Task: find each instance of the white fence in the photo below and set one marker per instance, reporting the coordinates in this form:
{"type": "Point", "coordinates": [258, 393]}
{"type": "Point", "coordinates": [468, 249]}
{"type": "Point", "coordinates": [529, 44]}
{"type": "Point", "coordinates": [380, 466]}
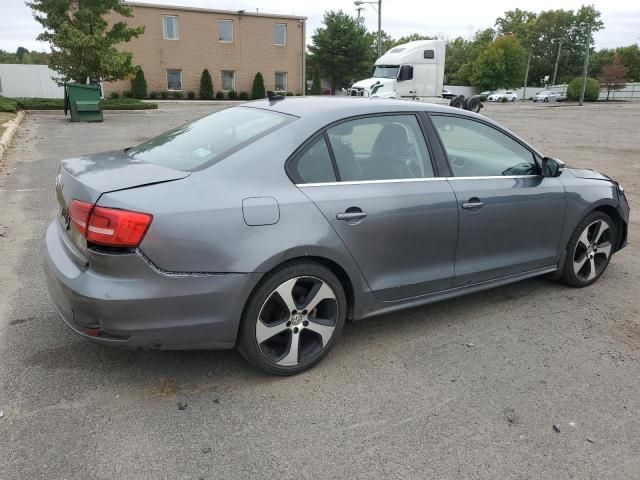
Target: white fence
{"type": "Point", "coordinates": [19, 80]}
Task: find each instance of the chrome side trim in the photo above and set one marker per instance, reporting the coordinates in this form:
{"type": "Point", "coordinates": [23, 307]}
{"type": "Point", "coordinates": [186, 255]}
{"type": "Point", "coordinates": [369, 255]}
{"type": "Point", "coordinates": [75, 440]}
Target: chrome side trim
{"type": "Point", "coordinates": [409, 180]}
{"type": "Point", "coordinates": [370, 182]}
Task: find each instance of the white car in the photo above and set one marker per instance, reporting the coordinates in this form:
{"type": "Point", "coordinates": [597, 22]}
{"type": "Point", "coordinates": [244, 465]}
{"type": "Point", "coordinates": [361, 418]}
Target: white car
{"type": "Point", "coordinates": [546, 96]}
{"type": "Point", "coordinates": [510, 95]}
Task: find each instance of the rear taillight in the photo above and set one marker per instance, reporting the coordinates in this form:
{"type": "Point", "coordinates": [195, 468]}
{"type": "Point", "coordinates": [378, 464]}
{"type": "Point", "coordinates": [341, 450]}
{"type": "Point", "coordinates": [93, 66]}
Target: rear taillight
{"type": "Point", "coordinates": [109, 226]}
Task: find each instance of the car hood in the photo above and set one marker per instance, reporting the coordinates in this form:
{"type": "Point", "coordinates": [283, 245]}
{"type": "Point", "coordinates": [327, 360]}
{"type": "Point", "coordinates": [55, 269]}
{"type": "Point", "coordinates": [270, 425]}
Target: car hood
{"type": "Point", "coordinates": [587, 173]}
{"type": "Point", "coordinates": [369, 82]}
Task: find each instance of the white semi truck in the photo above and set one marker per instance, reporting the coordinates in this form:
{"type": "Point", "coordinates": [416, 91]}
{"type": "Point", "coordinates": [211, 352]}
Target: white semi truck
{"type": "Point", "coordinates": [413, 70]}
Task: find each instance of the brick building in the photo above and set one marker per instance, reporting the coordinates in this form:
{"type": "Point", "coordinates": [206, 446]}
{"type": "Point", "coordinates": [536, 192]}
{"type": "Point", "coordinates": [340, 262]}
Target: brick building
{"type": "Point", "coordinates": [180, 42]}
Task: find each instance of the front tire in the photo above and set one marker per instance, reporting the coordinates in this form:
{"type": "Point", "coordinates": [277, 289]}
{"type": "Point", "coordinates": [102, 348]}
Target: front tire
{"type": "Point", "coordinates": [589, 250]}
{"type": "Point", "coordinates": [293, 318]}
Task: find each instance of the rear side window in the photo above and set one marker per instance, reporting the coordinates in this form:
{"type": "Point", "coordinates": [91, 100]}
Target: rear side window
{"type": "Point", "coordinates": [313, 165]}
{"type": "Point", "coordinates": [387, 147]}
{"type": "Point", "coordinates": [206, 141]}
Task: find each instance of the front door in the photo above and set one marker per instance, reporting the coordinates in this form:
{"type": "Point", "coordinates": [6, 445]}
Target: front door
{"type": "Point", "coordinates": [397, 220]}
{"type": "Point", "coordinates": [511, 217]}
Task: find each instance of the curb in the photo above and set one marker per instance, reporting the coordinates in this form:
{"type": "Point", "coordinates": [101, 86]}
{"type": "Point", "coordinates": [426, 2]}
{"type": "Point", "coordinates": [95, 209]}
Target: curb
{"type": "Point", "coordinates": [7, 136]}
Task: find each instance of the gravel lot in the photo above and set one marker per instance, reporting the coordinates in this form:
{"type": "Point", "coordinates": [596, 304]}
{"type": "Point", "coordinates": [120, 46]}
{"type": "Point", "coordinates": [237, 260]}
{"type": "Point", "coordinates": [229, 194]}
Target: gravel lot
{"type": "Point", "coordinates": [468, 388]}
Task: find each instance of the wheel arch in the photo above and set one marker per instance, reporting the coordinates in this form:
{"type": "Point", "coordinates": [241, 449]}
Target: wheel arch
{"type": "Point", "coordinates": [620, 225]}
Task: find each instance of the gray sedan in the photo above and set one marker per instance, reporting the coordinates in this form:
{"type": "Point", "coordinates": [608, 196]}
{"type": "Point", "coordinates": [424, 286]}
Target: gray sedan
{"type": "Point", "coordinates": [267, 226]}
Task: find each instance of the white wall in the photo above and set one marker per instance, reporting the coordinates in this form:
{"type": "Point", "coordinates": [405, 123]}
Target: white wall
{"type": "Point", "coordinates": [18, 80]}
{"type": "Point", "coordinates": [462, 90]}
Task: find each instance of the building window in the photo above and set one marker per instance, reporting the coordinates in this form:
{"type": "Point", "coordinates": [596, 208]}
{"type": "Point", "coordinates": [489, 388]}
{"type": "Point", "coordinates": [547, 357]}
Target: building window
{"type": "Point", "coordinates": [225, 31]}
{"type": "Point", "coordinates": [174, 79]}
{"type": "Point", "coordinates": [228, 80]}
{"type": "Point", "coordinates": [170, 27]}
{"type": "Point", "coordinates": [281, 81]}
{"type": "Point", "coordinates": [280, 34]}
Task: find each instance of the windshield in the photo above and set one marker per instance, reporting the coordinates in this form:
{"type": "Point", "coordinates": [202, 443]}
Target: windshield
{"type": "Point", "coordinates": [206, 141]}
{"type": "Point", "coordinates": [386, 71]}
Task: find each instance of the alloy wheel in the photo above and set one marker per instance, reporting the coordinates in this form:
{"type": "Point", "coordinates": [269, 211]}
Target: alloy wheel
{"type": "Point", "coordinates": [297, 321]}
{"type": "Point", "coordinates": [592, 251]}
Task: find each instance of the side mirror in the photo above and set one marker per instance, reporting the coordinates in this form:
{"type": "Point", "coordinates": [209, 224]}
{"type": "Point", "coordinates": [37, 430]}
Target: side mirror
{"type": "Point", "coordinates": [405, 73]}
{"type": "Point", "coordinates": [552, 167]}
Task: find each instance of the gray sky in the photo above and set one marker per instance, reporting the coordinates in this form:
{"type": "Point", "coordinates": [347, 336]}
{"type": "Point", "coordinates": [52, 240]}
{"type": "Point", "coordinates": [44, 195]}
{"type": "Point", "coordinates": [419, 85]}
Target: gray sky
{"type": "Point", "coordinates": [399, 17]}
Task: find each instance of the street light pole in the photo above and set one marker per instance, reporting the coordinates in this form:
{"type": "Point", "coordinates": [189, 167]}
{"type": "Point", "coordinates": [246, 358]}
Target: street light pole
{"type": "Point", "coordinates": [357, 3]}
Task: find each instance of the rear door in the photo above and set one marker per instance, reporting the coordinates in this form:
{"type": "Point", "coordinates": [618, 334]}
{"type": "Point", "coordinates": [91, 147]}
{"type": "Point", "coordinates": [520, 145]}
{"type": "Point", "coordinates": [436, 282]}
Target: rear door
{"type": "Point", "coordinates": [511, 217]}
{"type": "Point", "coordinates": [373, 179]}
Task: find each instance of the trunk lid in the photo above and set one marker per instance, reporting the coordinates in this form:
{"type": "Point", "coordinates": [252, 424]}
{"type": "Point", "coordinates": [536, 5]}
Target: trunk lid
{"type": "Point", "coordinates": [86, 178]}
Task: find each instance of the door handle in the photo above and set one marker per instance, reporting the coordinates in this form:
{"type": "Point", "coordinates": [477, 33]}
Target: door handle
{"type": "Point", "coordinates": [351, 214]}
{"type": "Point", "coordinates": [473, 204]}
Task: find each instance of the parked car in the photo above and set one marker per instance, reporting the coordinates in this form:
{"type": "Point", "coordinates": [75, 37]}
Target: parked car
{"type": "Point", "coordinates": [509, 95]}
{"type": "Point", "coordinates": [546, 96]}
{"type": "Point", "coordinates": [267, 226]}
{"type": "Point", "coordinates": [446, 93]}
{"type": "Point", "coordinates": [486, 93]}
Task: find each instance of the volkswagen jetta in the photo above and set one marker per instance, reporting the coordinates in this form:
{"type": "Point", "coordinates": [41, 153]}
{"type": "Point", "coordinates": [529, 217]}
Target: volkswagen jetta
{"type": "Point", "coordinates": [268, 225]}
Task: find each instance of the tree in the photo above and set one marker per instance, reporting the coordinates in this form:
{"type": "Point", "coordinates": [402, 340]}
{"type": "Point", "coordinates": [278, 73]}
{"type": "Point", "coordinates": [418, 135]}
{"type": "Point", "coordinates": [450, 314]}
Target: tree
{"type": "Point", "coordinates": [388, 42]}
{"type": "Point", "coordinates": [342, 49]}
{"type": "Point", "coordinates": [613, 77]}
{"type": "Point", "coordinates": [316, 86]}
{"type": "Point", "coordinates": [83, 44]}
{"type": "Point", "coordinates": [22, 55]}
{"type": "Point", "coordinates": [500, 65]}
{"type": "Point", "coordinates": [206, 85]}
{"type": "Point", "coordinates": [257, 89]}
{"type": "Point", "coordinates": [139, 85]}
{"type": "Point", "coordinates": [461, 53]}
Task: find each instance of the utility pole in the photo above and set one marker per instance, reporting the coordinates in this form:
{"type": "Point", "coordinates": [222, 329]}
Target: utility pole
{"type": "Point", "coordinates": [379, 28]}
{"type": "Point", "coordinates": [526, 77]}
{"type": "Point", "coordinates": [586, 65]}
{"type": "Point", "coordinates": [555, 70]}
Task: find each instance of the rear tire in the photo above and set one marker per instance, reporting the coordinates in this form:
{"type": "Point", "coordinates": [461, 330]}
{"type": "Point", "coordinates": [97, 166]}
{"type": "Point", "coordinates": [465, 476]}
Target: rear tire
{"type": "Point", "coordinates": [293, 318]}
{"type": "Point", "coordinates": [589, 250]}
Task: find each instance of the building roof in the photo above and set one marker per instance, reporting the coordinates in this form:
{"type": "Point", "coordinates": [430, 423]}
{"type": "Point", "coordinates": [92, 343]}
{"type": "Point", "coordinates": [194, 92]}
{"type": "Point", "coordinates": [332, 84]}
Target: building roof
{"type": "Point", "coordinates": [209, 10]}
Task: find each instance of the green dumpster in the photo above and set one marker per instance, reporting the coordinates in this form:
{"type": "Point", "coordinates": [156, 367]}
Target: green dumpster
{"type": "Point", "coordinates": [83, 101]}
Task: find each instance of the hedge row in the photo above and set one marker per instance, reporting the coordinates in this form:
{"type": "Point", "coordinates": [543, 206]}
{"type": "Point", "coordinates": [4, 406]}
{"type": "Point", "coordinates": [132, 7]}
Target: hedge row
{"type": "Point", "coordinates": [8, 105]}
{"type": "Point", "coordinates": [106, 104]}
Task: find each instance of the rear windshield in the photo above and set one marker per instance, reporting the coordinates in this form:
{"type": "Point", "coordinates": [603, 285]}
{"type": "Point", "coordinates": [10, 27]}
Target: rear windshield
{"type": "Point", "coordinates": [206, 141]}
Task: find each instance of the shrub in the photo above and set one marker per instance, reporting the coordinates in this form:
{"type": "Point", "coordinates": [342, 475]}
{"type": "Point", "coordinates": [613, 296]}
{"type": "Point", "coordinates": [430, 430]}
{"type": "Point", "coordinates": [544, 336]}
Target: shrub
{"type": "Point", "coordinates": [243, 96]}
{"type": "Point", "coordinates": [483, 98]}
{"type": "Point", "coordinates": [206, 85]}
{"type": "Point", "coordinates": [114, 95]}
{"type": "Point", "coordinates": [220, 95]}
{"type": "Point", "coordinates": [191, 95]}
{"type": "Point", "coordinates": [153, 95]}
{"type": "Point", "coordinates": [177, 95]}
{"type": "Point", "coordinates": [139, 85]}
{"type": "Point", "coordinates": [8, 105]}
{"type": "Point", "coordinates": [591, 91]}
{"type": "Point", "coordinates": [257, 89]}
{"type": "Point", "coordinates": [289, 94]}
{"type": "Point", "coordinates": [126, 94]}
{"type": "Point", "coordinates": [107, 104]}
{"type": "Point", "coordinates": [164, 95]}
{"type": "Point", "coordinates": [232, 95]}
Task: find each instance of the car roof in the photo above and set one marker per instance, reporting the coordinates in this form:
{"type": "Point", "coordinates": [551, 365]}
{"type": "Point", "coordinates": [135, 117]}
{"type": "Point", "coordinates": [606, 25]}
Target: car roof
{"type": "Point", "coordinates": [338, 107]}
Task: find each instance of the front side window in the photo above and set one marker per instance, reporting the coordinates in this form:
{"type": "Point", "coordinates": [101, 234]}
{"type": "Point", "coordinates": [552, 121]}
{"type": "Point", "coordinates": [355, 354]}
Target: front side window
{"type": "Point", "coordinates": [281, 81]}
{"type": "Point", "coordinates": [380, 148]}
{"type": "Point", "coordinates": [174, 79]}
{"type": "Point", "coordinates": [280, 34]}
{"type": "Point", "coordinates": [210, 139]}
{"type": "Point", "coordinates": [170, 27]}
{"type": "Point", "coordinates": [228, 80]}
{"type": "Point", "coordinates": [225, 31]}
{"type": "Point", "coordinates": [313, 165]}
{"type": "Point", "coordinates": [475, 149]}
{"type": "Point", "coordinates": [386, 71]}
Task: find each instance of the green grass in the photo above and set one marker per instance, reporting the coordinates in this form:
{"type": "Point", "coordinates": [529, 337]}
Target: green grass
{"type": "Point", "coordinates": [8, 105]}
{"type": "Point", "coordinates": [58, 104]}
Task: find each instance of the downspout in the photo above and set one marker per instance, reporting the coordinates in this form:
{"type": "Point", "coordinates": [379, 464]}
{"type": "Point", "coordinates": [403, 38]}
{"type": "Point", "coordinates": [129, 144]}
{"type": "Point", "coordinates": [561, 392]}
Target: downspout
{"type": "Point", "coordinates": [303, 67]}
